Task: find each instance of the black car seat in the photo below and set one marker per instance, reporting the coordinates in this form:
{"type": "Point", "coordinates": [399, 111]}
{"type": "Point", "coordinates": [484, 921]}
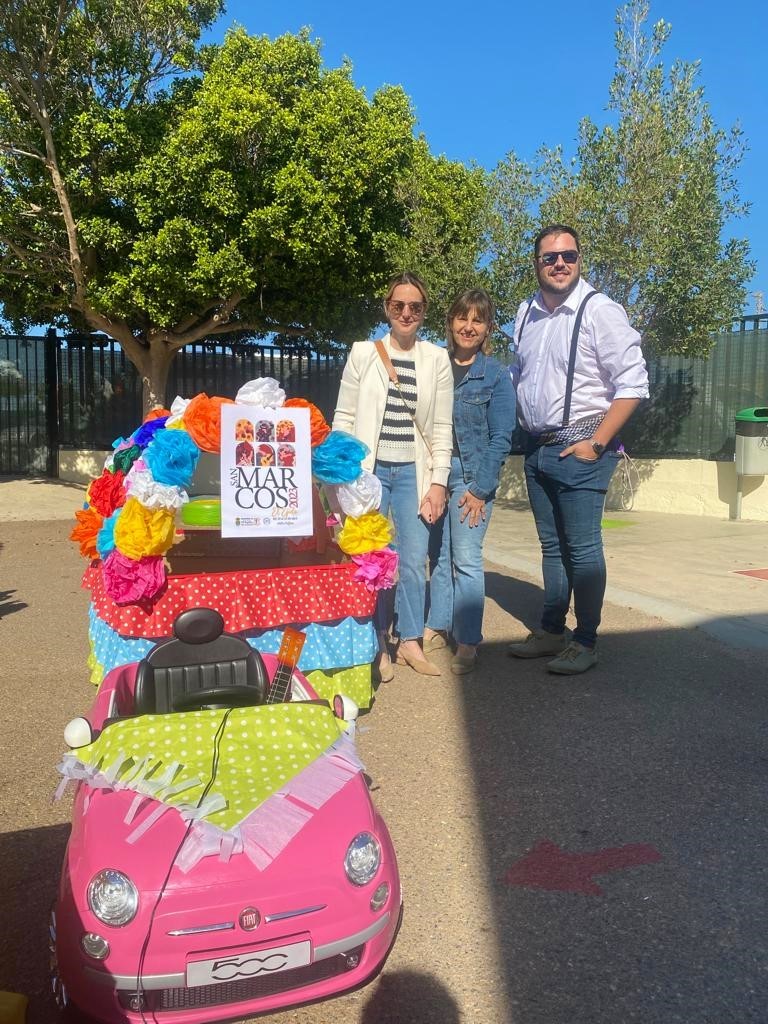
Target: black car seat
{"type": "Point", "coordinates": [201, 667]}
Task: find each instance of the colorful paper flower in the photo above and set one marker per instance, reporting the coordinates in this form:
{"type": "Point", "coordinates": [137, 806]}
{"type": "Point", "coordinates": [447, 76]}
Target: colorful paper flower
{"type": "Point", "coordinates": [172, 457]}
{"type": "Point", "coordinates": [127, 580]}
{"type": "Point", "coordinates": [178, 406]}
{"type": "Point", "coordinates": [318, 428]}
{"type": "Point", "coordinates": [263, 391]}
{"type": "Point", "coordinates": [376, 569]}
{"type": "Point", "coordinates": [107, 492]}
{"type": "Point", "coordinates": [359, 496]}
{"type": "Point", "coordinates": [337, 460]}
{"type": "Point", "coordinates": [148, 429]}
{"type": "Point", "coordinates": [89, 522]}
{"type": "Point", "coordinates": [143, 531]}
{"type": "Point", "coordinates": [140, 484]}
{"type": "Point", "coordinates": [124, 458]}
{"type": "Point", "coordinates": [202, 418]}
{"type": "Point", "coordinates": [105, 540]}
{"type": "Point", "coordinates": [366, 533]}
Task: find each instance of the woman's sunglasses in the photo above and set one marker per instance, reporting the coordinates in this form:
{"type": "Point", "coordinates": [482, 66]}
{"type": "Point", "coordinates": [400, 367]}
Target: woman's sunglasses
{"type": "Point", "coordinates": [396, 307]}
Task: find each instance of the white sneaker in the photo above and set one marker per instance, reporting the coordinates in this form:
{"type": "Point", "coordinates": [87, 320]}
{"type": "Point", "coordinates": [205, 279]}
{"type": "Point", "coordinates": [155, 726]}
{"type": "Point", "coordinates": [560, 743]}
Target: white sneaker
{"type": "Point", "coordinates": [539, 644]}
{"type": "Point", "coordinates": [575, 659]}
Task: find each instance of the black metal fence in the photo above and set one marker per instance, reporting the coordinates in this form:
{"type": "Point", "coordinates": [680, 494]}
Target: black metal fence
{"type": "Point", "coordinates": [82, 392]}
{"type": "Point", "coordinates": [100, 389]}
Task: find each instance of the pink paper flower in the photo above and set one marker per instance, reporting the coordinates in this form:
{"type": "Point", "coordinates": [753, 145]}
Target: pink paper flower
{"type": "Point", "coordinates": [128, 581]}
{"type": "Point", "coordinates": [376, 569]}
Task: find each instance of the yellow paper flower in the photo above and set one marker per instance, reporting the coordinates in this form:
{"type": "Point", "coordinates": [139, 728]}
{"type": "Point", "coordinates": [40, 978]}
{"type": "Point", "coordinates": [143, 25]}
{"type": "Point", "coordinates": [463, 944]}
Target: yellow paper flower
{"type": "Point", "coordinates": [364, 533]}
{"type": "Point", "coordinates": [141, 531]}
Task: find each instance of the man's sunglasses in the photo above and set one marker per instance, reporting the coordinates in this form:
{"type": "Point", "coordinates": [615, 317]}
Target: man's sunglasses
{"type": "Point", "coordinates": [549, 259]}
{"type": "Point", "coordinates": [396, 307]}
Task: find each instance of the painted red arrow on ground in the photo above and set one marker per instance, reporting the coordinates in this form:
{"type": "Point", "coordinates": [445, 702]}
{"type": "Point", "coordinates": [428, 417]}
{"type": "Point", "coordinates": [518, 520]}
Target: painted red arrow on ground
{"type": "Point", "coordinates": [547, 866]}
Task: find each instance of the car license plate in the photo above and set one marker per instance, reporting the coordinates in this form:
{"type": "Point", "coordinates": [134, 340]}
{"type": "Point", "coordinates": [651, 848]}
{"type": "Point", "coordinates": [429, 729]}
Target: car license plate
{"type": "Point", "coordinates": [253, 964]}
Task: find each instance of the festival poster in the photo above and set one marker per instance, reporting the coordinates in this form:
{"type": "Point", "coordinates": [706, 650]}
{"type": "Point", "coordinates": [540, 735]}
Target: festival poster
{"type": "Point", "coordinates": [266, 472]}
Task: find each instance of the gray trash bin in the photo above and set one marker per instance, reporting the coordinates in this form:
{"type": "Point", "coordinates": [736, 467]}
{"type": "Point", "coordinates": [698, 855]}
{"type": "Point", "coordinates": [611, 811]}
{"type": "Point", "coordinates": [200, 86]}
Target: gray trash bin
{"type": "Point", "coordinates": [752, 442]}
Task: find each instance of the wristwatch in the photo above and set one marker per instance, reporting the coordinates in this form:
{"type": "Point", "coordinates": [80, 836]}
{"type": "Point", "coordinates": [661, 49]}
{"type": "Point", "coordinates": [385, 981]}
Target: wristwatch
{"type": "Point", "coordinates": [598, 448]}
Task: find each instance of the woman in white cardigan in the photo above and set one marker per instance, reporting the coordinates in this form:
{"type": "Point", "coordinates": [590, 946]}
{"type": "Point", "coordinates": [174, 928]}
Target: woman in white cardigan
{"type": "Point", "coordinates": [408, 430]}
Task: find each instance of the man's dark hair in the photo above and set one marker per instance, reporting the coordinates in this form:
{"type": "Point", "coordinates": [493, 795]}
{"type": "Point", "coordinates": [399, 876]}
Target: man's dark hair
{"type": "Point", "coordinates": [555, 229]}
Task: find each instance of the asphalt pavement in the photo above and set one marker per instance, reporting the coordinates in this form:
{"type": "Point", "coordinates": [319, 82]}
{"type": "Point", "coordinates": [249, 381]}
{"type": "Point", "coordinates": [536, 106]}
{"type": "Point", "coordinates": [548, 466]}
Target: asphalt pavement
{"type": "Point", "coordinates": [573, 851]}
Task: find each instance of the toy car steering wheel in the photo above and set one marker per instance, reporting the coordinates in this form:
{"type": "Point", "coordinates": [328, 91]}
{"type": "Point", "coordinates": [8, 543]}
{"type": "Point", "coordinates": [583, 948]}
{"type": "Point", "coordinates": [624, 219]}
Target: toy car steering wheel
{"type": "Point", "coordinates": [219, 697]}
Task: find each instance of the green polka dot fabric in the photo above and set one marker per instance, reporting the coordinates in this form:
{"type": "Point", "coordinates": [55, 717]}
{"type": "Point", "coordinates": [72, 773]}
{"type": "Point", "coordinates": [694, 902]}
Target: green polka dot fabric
{"type": "Point", "coordinates": [260, 750]}
{"type": "Point", "coordinates": [353, 682]}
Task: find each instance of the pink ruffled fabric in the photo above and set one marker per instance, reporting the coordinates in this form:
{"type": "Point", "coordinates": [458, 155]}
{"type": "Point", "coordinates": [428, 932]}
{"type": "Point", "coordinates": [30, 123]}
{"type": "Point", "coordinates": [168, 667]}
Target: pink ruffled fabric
{"type": "Point", "coordinates": [127, 580]}
{"type": "Point", "coordinates": [376, 569]}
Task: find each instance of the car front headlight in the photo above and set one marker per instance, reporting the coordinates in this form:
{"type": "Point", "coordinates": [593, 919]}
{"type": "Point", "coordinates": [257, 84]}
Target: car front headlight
{"type": "Point", "coordinates": [362, 859]}
{"type": "Point", "coordinates": [113, 897]}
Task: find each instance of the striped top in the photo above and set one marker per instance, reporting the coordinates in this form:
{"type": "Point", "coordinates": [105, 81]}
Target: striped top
{"type": "Point", "coordinates": [396, 440]}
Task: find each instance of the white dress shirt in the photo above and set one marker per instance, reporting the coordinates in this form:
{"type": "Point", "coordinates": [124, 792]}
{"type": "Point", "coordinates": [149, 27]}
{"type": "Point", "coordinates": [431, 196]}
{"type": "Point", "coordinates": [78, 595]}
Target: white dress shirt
{"type": "Point", "coordinates": [609, 360]}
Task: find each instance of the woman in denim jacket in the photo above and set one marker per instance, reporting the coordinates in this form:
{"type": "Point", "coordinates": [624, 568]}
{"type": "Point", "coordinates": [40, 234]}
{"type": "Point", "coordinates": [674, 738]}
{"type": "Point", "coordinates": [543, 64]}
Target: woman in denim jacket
{"type": "Point", "coordinates": [483, 422]}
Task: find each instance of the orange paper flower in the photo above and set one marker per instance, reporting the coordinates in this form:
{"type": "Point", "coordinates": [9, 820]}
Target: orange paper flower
{"type": "Point", "coordinates": [202, 419]}
{"type": "Point", "coordinates": [141, 531]}
{"type": "Point", "coordinates": [318, 428]}
{"type": "Point", "coordinates": [89, 522]}
{"type": "Point", "coordinates": [156, 414]}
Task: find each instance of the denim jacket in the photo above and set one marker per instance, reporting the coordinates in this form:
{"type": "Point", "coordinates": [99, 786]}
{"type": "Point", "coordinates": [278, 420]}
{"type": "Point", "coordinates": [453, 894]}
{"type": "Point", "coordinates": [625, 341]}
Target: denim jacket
{"type": "Point", "coordinates": [484, 419]}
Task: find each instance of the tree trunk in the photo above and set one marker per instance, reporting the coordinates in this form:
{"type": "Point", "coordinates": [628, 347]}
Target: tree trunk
{"type": "Point", "coordinates": [154, 364]}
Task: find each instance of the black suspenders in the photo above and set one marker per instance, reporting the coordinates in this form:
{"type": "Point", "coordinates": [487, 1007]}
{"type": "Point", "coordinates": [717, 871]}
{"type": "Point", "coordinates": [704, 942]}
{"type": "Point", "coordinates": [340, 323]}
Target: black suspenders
{"type": "Point", "coordinates": [571, 354]}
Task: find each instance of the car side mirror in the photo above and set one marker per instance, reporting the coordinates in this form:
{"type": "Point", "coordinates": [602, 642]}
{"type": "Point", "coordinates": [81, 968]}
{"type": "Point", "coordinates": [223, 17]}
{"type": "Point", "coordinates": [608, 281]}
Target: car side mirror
{"type": "Point", "coordinates": [345, 708]}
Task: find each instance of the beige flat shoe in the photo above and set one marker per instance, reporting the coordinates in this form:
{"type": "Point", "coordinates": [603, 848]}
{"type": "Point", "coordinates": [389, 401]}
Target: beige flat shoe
{"type": "Point", "coordinates": [434, 642]}
{"type": "Point", "coordinates": [383, 673]}
{"type": "Point", "coordinates": [463, 666]}
{"type": "Point", "coordinates": [420, 665]}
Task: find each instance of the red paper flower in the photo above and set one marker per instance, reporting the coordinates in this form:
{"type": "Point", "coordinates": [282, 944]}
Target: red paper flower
{"type": "Point", "coordinates": [107, 492]}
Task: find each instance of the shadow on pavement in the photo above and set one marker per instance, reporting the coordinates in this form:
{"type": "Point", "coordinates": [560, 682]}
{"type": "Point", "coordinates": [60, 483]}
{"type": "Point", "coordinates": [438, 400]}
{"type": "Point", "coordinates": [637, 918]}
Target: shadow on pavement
{"type": "Point", "coordinates": [661, 748]}
{"type": "Point", "coordinates": [7, 606]}
{"type": "Point", "coordinates": [410, 996]}
{"type": "Point", "coordinates": [30, 865]}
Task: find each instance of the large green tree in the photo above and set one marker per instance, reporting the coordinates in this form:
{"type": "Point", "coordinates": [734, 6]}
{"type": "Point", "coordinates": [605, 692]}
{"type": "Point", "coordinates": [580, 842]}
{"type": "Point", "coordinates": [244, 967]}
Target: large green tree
{"type": "Point", "coordinates": [162, 193]}
{"type": "Point", "coordinates": [653, 194]}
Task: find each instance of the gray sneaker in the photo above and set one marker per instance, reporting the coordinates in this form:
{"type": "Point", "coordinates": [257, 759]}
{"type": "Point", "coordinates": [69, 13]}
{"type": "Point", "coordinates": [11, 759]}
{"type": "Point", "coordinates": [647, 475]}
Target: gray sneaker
{"type": "Point", "coordinates": [539, 644]}
{"type": "Point", "coordinates": [575, 659]}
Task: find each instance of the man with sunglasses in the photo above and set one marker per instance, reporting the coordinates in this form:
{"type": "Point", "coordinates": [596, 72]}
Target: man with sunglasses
{"type": "Point", "coordinates": [581, 375]}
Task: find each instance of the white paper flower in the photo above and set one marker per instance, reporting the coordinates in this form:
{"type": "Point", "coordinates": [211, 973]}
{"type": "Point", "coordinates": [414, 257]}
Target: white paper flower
{"type": "Point", "coordinates": [264, 392]}
{"type": "Point", "coordinates": [360, 496]}
{"type": "Point", "coordinates": [178, 406]}
{"type": "Point", "coordinates": [140, 484]}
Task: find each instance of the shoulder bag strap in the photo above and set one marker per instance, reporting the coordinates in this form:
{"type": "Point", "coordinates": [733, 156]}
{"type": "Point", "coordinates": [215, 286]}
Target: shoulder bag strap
{"type": "Point", "coordinates": [392, 374]}
{"type": "Point", "coordinates": [572, 358]}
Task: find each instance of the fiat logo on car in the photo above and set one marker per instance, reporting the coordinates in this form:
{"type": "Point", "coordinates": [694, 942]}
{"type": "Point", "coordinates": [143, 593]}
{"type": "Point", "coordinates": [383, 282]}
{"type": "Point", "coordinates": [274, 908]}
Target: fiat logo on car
{"type": "Point", "coordinates": [249, 919]}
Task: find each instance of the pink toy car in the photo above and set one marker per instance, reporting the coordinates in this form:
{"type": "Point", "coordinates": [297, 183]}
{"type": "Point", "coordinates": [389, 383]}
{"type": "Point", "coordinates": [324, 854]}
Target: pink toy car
{"type": "Point", "coordinates": [151, 926]}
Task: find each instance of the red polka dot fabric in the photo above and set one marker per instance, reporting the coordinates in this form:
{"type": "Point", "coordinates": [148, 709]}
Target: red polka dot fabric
{"type": "Point", "coordinates": [256, 599]}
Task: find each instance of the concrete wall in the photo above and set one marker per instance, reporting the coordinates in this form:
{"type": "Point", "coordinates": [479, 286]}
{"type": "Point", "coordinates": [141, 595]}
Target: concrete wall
{"type": "Point", "coordinates": [695, 487]}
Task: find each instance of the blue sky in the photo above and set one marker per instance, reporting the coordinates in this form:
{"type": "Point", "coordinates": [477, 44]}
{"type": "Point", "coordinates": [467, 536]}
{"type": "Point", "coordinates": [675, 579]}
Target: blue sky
{"type": "Point", "coordinates": [492, 76]}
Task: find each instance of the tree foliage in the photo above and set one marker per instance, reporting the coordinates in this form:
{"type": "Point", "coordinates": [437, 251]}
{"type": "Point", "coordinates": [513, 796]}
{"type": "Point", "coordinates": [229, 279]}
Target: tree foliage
{"type": "Point", "coordinates": [162, 193]}
{"type": "Point", "coordinates": [651, 194]}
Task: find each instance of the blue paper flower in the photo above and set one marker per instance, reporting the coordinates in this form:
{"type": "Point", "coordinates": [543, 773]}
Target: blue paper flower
{"type": "Point", "coordinates": [337, 460]}
{"type": "Point", "coordinates": [147, 431]}
{"type": "Point", "coordinates": [105, 538]}
{"type": "Point", "coordinates": [172, 456]}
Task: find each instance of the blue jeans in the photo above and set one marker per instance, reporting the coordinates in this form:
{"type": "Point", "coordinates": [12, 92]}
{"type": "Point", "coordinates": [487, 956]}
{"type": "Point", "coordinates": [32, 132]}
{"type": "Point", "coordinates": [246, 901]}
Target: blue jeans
{"type": "Point", "coordinates": [457, 579]}
{"type": "Point", "coordinates": [567, 497]}
{"type": "Point", "coordinates": [400, 498]}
